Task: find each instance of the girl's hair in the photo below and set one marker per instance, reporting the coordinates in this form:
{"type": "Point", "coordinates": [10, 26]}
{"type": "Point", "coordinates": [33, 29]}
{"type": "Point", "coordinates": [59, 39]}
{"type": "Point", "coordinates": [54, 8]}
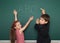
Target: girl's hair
{"type": "Point", "coordinates": [46, 17]}
{"type": "Point", "coordinates": [12, 32]}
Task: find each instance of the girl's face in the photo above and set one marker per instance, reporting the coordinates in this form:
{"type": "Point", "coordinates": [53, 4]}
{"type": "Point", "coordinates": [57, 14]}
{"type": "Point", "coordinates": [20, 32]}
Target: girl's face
{"type": "Point", "coordinates": [42, 21]}
{"type": "Point", "coordinates": [18, 25]}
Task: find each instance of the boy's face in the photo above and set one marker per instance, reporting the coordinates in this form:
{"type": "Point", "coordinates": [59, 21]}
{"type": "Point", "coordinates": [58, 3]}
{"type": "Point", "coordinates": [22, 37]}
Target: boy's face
{"type": "Point", "coordinates": [42, 21]}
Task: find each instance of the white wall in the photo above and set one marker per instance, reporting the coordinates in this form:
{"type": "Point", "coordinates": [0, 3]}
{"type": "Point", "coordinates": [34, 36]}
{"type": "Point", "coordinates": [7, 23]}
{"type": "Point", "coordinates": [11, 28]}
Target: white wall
{"type": "Point", "coordinates": [29, 41]}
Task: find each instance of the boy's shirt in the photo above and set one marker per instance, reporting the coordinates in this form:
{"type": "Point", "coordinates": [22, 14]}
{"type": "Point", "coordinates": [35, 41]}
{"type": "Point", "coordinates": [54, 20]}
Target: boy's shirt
{"type": "Point", "coordinates": [43, 30]}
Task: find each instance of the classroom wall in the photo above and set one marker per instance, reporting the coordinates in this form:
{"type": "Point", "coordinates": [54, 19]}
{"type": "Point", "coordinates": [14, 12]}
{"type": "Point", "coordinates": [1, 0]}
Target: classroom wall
{"type": "Point", "coordinates": [27, 8]}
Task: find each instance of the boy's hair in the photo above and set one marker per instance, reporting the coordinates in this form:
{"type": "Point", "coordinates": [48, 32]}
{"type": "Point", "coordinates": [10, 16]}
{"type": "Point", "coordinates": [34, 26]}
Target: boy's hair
{"type": "Point", "coordinates": [46, 17]}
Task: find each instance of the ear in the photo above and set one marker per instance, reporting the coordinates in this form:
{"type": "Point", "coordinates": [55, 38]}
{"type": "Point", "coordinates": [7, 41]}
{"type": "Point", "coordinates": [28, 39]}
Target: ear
{"type": "Point", "coordinates": [46, 22]}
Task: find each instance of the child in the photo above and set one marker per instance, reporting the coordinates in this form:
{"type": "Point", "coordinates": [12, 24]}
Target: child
{"type": "Point", "coordinates": [42, 26]}
{"type": "Point", "coordinates": [17, 30]}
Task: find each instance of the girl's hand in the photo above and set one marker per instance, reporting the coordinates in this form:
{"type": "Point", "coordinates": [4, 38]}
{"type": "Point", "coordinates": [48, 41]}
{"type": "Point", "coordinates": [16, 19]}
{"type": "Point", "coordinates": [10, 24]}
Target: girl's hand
{"type": "Point", "coordinates": [31, 18]}
{"type": "Point", "coordinates": [37, 21]}
{"type": "Point", "coordinates": [15, 12]}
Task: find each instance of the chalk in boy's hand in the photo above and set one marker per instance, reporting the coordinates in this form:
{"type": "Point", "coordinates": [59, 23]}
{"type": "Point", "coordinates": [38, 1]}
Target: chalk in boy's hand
{"type": "Point", "coordinates": [43, 10]}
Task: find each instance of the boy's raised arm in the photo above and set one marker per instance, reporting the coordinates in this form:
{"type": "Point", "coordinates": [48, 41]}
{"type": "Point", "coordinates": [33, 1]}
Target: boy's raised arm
{"type": "Point", "coordinates": [43, 11]}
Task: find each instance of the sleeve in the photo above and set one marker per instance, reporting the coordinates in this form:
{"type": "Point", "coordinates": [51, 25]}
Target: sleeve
{"type": "Point", "coordinates": [36, 26]}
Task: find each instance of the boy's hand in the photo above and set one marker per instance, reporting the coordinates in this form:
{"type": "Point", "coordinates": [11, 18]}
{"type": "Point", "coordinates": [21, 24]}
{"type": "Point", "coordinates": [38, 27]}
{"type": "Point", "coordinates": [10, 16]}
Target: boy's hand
{"type": "Point", "coordinates": [37, 21]}
{"type": "Point", "coordinates": [15, 12]}
{"type": "Point", "coordinates": [31, 18]}
{"type": "Point", "coordinates": [43, 10]}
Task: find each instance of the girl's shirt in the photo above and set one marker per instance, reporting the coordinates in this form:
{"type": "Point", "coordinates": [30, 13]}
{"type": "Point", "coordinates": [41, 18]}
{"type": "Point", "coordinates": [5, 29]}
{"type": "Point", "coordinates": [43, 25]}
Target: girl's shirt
{"type": "Point", "coordinates": [19, 36]}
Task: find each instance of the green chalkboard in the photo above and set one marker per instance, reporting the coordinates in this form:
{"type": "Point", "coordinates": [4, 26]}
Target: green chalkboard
{"type": "Point", "coordinates": [27, 8]}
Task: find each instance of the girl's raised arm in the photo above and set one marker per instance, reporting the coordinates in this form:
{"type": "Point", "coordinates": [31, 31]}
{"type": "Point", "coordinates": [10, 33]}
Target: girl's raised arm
{"type": "Point", "coordinates": [26, 25]}
{"type": "Point", "coordinates": [15, 15]}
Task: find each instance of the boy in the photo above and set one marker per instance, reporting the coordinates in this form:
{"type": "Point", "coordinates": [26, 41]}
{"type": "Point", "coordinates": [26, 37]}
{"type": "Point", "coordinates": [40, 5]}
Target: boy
{"type": "Point", "coordinates": [42, 26]}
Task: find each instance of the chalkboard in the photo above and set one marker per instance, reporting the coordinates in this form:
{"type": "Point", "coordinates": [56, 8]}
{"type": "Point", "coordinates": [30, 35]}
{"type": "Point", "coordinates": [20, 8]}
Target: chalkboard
{"type": "Point", "coordinates": [27, 8]}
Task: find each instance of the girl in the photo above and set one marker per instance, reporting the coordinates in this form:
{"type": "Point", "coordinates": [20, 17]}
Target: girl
{"type": "Point", "coordinates": [42, 26]}
{"type": "Point", "coordinates": [17, 30]}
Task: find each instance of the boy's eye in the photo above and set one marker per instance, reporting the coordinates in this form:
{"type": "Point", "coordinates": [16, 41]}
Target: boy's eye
{"type": "Point", "coordinates": [41, 20]}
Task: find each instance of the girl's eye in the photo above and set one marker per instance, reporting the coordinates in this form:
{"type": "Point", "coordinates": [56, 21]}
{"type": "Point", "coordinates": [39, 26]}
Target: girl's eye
{"type": "Point", "coordinates": [18, 24]}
